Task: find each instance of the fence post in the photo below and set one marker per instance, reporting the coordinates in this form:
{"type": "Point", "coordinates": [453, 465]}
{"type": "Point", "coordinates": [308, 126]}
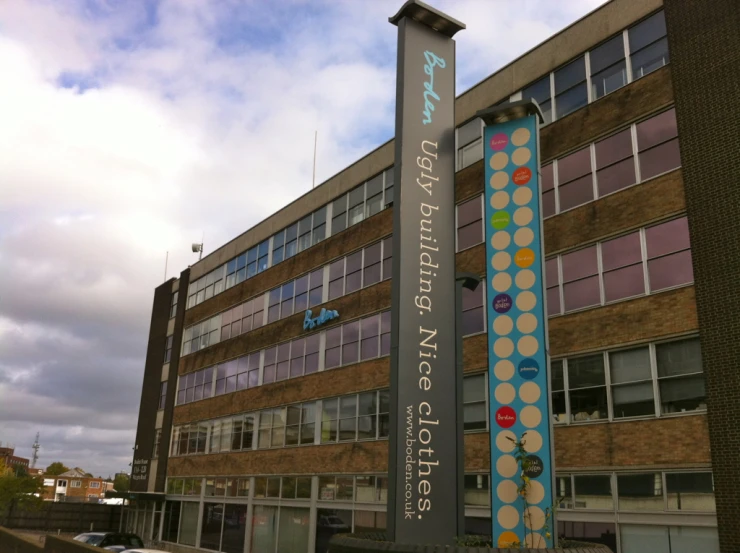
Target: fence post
{"type": "Point", "coordinates": [81, 524]}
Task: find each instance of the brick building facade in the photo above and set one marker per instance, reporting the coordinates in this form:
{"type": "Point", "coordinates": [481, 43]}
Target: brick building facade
{"type": "Point", "coordinates": [74, 486]}
{"type": "Point", "coordinates": [9, 460]}
{"type": "Point", "coordinates": [254, 432]}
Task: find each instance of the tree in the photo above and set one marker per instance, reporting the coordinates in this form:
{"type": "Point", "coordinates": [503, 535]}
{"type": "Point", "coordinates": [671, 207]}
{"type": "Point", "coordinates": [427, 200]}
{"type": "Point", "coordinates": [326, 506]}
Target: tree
{"type": "Point", "coordinates": [121, 483]}
{"type": "Point", "coordinates": [21, 471]}
{"type": "Point", "coordinates": [21, 491]}
{"type": "Point", "coordinates": [55, 469]}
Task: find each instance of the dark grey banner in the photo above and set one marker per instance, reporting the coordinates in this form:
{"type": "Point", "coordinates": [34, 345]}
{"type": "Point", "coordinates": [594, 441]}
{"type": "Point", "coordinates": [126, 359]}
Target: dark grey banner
{"type": "Point", "coordinates": [423, 456]}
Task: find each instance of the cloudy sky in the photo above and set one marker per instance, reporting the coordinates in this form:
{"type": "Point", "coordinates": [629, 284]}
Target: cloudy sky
{"type": "Point", "coordinates": [128, 128]}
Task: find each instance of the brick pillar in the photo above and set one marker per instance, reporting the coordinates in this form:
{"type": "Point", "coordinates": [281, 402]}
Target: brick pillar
{"type": "Point", "coordinates": [704, 45]}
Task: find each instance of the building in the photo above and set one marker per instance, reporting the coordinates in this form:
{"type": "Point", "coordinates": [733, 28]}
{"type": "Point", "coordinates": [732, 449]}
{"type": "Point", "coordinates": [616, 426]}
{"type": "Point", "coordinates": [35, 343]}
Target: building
{"type": "Point", "coordinates": [9, 460]}
{"type": "Point", "coordinates": [74, 486]}
{"type": "Point", "coordinates": [257, 434]}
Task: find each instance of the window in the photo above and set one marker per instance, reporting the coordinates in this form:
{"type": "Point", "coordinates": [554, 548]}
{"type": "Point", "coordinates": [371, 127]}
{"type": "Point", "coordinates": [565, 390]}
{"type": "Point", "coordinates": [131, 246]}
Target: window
{"type": "Point", "coordinates": [571, 92]}
{"type": "Point", "coordinates": [355, 417]}
{"type": "Point", "coordinates": [593, 491]}
{"type": "Point", "coordinates": [94, 485]}
{"type": "Point", "coordinates": [263, 252]}
{"type": "Point", "coordinates": [648, 45]}
{"type": "Point", "coordinates": [587, 387]}
{"type": "Point", "coordinates": [162, 395]}
{"type": "Point", "coordinates": [61, 483]}
{"type": "Point", "coordinates": [552, 283]}
{"type": "Point", "coordinates": [339, 218]}
{"type": "Point", "coordinates": [355, 208]}
{"type": "Point", "coordinates": [474, 402]}
{"type": "Point", "coordinates": [657, 144]}
{"type": "Point", "coordinates": [201, 335]}
{"type": "Point", "coordinates": [76, 484]}
{"type": "Point", "coordinates": [316, 288]}
{"type": "Point", "coordinates": [575, 179]}
{"type": "Point", "coordinates": [278, 247]}
{"type": "Point", "coordinates": [680, 376]}
{"type": "Point", "coordinates": [374, 193]}
{"type": "Point", "coordinates": [388, 258]}
{"type": "Point", "coordinates": [473, 314]}
{"type": "Point", "coordinates": [608, 67]}
{"type": "Point", "coordinates": [579, 388]}
{"type": "Point", "coordinates": [615, 164]}
{"type": "Point", "coordinates": [640, 492]}
{"type": "Point", "coordinates": [477, 490]}
{"type": "Point", "coordinates": [662, 251]}
{"type": "Point", "coordinates": [173, 305]}
{"type": "Point", "coordinates": [291, 241]}
{"type": "Point", "coordinates": [469, 223]}
{"type": "Point", "coordinates": [642, 538]}
{"type": "Point", "coordinates": [300, 424]}
{"type": "Point", "coordinates": [594, 532]}
{"type": "Point", "coordinates": [157, 440]}
{"type": "Point", "coordinates": [547, 179]}
{"type": "Point", "coordinates": [469, 143]}
{"type": "Point", "coordinates": [540, 92]}
{"type": "Point", "coordinates": [388, 176]}
{"type": "Point", "coordinates": [690, 491]}
{"type": "Point", "coordinates": [621, 261]}
{"type": "Point", "coordinates": [559, 411]}
{"type": "Point", "coordinates": [357, 340]}
{"type": "Point", "coordinates": [272, 428]}
{"type": "Point", "coordinates": [580, 279]}
{"type": "Point", "coordinates": [632, 383]}
{"type": "Point", "coordinates": [669, 254]}
{"type": "Point", "coordinates": [195, 386]}
{"type": "Point", "coordinates": [168, 349]}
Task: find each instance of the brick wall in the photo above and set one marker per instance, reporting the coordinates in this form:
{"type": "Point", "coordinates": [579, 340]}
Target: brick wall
{"type": "Point", "coordinates": [704, 44]}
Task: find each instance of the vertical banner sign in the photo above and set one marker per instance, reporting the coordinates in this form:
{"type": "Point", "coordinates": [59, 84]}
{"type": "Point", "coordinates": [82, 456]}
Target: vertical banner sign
{"type": "Point", "coordinates": [517, 335]}
{"type": "Point", "coordinates": [423, 453]}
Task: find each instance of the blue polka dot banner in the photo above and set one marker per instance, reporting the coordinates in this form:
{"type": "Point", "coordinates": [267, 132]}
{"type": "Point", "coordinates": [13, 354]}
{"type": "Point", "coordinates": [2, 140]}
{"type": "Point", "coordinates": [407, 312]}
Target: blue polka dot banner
{"type": "Point", "coordinates": [517, 330]}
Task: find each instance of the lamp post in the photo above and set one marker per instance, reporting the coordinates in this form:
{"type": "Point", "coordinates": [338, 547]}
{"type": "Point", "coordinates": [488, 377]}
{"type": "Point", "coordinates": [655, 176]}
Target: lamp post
{"type": "Point", "coordinates": [468, 281]}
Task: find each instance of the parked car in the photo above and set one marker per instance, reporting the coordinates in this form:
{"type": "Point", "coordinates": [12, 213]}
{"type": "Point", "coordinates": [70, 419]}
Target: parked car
{"type": "Point", "coordinates": [111, 539]}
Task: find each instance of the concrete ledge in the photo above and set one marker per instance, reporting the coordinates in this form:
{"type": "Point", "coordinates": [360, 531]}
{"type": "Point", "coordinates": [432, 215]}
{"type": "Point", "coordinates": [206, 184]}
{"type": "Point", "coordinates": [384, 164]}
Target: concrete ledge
{"type": "Point", "coordinates": [371, 543]}
{"type": "Point", "coordinates": [10, 542]}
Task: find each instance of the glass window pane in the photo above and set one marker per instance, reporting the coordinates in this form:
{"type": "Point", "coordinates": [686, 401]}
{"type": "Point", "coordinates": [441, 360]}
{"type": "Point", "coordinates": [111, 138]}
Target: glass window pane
{"type": "Point", "coordinates": [539, 90]}
{"type": "Point", "coordinates": [574, 165]}
{"type": "Point", "coordinates": [474, 388]}
{"type": "Point", "coordinates": [647, 31]}
{"type": "Point", "coordinates": [472, 321]}
{"type": "Point", "coordinates": [622, 251]}
{"type": "Point", "coordinates": [667, 237]}
{"type": "Point", "coordinates": [656, 130]}
{"type": "Point", "coordinates": [650, 58]}
{"type": "Point", "coordinates": [581, 293]}
{"type": "Point", "coordinates": [624, 283]}
{"type": "Point", "coordinates": [586, 371]}
{"type": "Point", "coordinates": [690, 539]}
{"type": "Point", "coordinates": [680, 357]}
{"type": "Point", "coordinates": [575, 193]}
{"type": "Point", "coordinates": [607, 54]}
{"type": "Point", "coordinates": [469, 212]}
{"type": "Point", "coordinates": [593, 491]}
{"type": "Point", "coordinates": [630, 365]}
{"type": "Point", "coordinates": [633, 400]}
{"type": "Point", "coordinates": [553, 301]}
{"type": "Point", "coordinates": [609, 80]}
{"type": "Point", "coordinates": [613, 149]}
{"type": "Point", "coordinates": [678, 395]}
{"type": "Point", "coordinates": [579, 264]}
{"type": "Point", "coordinates": [570, 75]}
{"type": "Point", "coordinates": [470, 235]}
{"type": "Point", "coordinates": [671, 270]}
{"type": "Point", "coordinates": [617, 176]}
{"type": "Point", "coordinates": [469, 132]}
{"type": "Point", "coordinates": [477, 490]}
{"type": "Point", "coordinates": [690, 491]}
{"type": "Point", "coordinates": [660, 159]}
{"type": "Point", "coordinates": [570, 101]}
{"type": "Point", "coordinates": [640, 492]}
{"type": "Point", "coordinates": [644, 539]}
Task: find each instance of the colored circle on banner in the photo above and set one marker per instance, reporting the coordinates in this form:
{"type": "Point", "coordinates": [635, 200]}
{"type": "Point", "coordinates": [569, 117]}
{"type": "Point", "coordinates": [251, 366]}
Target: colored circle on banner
{"type": "Point", "coordinates": [500, 220]}
{"type": "Point", "coordinates": [505, 417]}
{"type": "Point", "coordinates": [535, 466]}
{"type": "Point", "coordinates": [524, 258]}
{"type": "Point", "coordinates": [521, 176]}
{"type": "Point", "coordinates": [508, 516]}
{"type": "Point", "coordinates": [507, 539]}
{"type": "Point", "coordinates": [520, 136]}
{"type": "Point", "coordinates": [528, 368]}
{"type": "Point", "coordinates": [502, 303]}
{"type": "Point", "coordinates": [499, 141]}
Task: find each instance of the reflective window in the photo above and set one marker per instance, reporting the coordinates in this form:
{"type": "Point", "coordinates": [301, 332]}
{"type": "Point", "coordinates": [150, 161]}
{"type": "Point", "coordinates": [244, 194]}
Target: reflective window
{"type": "Point", "coordinates": [540, 92]}
{"type": "Point", "coordinates": [648, 45]}
{"type": "Point", "coordinates": [571, 92]}
{"type": "Point", "coordinates": [469, 143]}
{"type": "Point", "coordinates": [632, 383]}
{"type": "Point", "coordinates": [469, 223]}
{"type": "Point", "coordinates": [473, 314]}
{"type": "Point", "coordinates": [608, 67]}
{"type": "Point", "coordinates": [593, 491]}
{"type": "Point", "coordinates": [474, 402]}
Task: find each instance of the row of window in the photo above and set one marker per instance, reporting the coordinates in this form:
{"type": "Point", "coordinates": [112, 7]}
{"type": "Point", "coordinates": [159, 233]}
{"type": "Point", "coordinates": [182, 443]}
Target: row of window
{"type": "Point", "coordinates": [343, 344]}
{"type": "Point", "coordinates": [642, 262]}
{"type": "Point", "coordinates": [354, 417]}
{"type": "Point", "coordinates": [626, 57]}
{"type": "Point", "coordinates": [656, 379]}
{"type": "Point", "coordinates": [636, 154]}
{"type": "Point", "coordinates": [649, 491]}
{"type": "Point", "coordinates": [358, 270]}
{"type": "Point", "coordinates": [359, 203]}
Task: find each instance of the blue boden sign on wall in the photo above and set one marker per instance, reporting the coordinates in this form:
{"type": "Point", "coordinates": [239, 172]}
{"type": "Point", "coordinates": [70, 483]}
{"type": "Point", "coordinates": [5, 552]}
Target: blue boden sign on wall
{"type": "Point", "coordinates": [309, 321]}
{"type": "Point", "coordinates": [517, 329]}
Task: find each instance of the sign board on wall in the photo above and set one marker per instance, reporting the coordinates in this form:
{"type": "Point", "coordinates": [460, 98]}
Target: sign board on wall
{"type": "Point", "coordinates": [517, 327]}
{"type": "Point", "coordinates": [423, 454]}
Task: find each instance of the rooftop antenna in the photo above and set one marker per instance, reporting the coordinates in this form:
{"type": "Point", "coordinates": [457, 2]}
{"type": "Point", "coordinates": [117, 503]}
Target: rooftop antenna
{"type": "Point", "coordinates": [35, 448]}
{"type": "Point", "coordinates": [166, 259]}
{"type": "Point", "coordinates": [315, 140]}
